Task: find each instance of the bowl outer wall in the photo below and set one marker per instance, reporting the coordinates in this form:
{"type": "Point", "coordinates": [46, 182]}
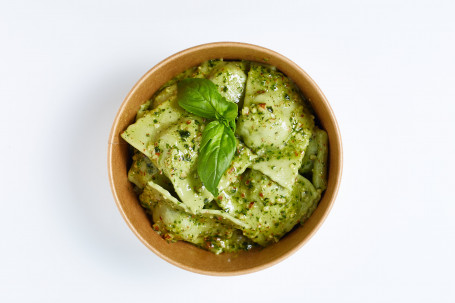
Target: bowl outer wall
{"type": "Point", "coordinates": [185, 255]}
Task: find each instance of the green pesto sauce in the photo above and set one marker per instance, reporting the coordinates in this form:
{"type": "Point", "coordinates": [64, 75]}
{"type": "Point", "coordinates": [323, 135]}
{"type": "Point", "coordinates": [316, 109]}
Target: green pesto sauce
{"type": "Point", "coordinates": [275, 180]}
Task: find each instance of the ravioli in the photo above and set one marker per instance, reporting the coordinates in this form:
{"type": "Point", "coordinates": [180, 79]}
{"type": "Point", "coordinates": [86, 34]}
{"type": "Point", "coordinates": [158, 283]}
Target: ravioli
{"type": "Point", "coordinates": [169, 93]}
{"type": "Point", "coordinates": [230, 78]}
{"type": "Point", "coordinates": [269, 209]}
{"type": "Point", "coordinates": [143, 171]}
{"type": "Point", "coordinates": [211, 229]}
{"type": "Point", "coordinates": [149, 127]}
{"type": "Point", "coordinates": [282, 163]}
{"type": "Point", "coordinates": [275, 124]}
{"type": "Point", "coordinates": [153, 193]}
{"type": "Point", "coordinates": [273, 108]}
{"type": "Point", "coordinates": [310, 155]}
{"type": "Point", "coordinates": [319, 171]}
{"type": "Point", "coordinates": [175, 153]}
{"type": "Point", "coordinates": [243, 159]}
{"type": "Point", "coordinates": [202, 231]}
{"type": "Point", "coordinates": [143, 109]}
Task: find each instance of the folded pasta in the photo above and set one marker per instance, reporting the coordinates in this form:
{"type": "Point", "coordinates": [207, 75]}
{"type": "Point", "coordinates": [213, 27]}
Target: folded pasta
{"type": "Point", "coordinates": [274, 180]}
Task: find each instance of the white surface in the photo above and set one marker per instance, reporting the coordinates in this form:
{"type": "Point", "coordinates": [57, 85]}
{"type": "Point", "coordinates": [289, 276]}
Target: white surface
{"type": "Point", "coordinates": [386, 67]}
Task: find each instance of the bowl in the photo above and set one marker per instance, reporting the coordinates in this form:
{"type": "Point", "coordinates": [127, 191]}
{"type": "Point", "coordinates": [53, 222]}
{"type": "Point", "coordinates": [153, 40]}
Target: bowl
{"type": "Point", "coordinates": [185, 255]}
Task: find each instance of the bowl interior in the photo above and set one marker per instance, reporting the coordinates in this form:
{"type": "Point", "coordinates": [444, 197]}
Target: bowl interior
{"type": "Point", "coordinates": [186, 255]}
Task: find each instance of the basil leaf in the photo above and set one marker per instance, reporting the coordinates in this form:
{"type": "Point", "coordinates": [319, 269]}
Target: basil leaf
{"type": "Point", "coordinates": [215, 154]}
{"type": "Point", "coordinates": [201, 97]}
{"type": "Point", "coordinates": [232, 125]}
{"type": "Point", "coordinates": [230, 110]}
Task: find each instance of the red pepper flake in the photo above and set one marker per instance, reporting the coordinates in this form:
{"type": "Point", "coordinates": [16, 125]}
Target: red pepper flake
{"type": "Point", "coordinates": [220, 197]}
{"type": "Point", "coordinates": [247, 182]}
{"type": "Point", "coordinates": [156, 227]}
{"type": "Point", "coordinates": [296, 154]}
{"type": "Point", "coordinates": [242, 195]}
{"type": "Point", "coordinates": [250, 206]}
{"type": "Point", "coordinates": [261, 195]}
{"type": "Point", "coordinates": [188, 122]}
{"type": "Point", "coordinates": [167, 237]}
{"type": "Point", "coordinates": [262, 105]}
{"type": "Point", "coordinates": [158, 154]}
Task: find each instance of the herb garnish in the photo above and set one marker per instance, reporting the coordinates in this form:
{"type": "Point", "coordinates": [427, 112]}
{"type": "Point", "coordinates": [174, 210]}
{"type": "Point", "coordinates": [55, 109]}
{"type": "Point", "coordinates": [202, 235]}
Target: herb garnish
{"type": "Point", "coordinates": [184, 134]}
{"type": "Point", "coordinates": [201, 97]}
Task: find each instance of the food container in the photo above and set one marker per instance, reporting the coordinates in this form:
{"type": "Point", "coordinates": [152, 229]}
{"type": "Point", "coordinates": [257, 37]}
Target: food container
{"type": "Point", "coordinates": [185, 255]}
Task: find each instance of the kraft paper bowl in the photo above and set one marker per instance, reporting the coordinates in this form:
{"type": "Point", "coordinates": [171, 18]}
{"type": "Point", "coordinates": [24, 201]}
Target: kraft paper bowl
{"type": "Point", "coordinates": [185, 255]}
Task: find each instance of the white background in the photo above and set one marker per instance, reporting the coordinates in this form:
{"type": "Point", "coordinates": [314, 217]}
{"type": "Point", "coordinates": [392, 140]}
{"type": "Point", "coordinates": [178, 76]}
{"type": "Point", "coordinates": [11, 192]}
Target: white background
{"type": "Point", "coordinates": [386, 67]}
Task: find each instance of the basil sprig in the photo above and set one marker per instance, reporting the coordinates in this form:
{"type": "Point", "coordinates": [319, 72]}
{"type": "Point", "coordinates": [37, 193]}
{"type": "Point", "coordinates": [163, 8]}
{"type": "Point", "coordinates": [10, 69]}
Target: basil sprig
{"type": "Point", "coordinates": [201, 97]}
